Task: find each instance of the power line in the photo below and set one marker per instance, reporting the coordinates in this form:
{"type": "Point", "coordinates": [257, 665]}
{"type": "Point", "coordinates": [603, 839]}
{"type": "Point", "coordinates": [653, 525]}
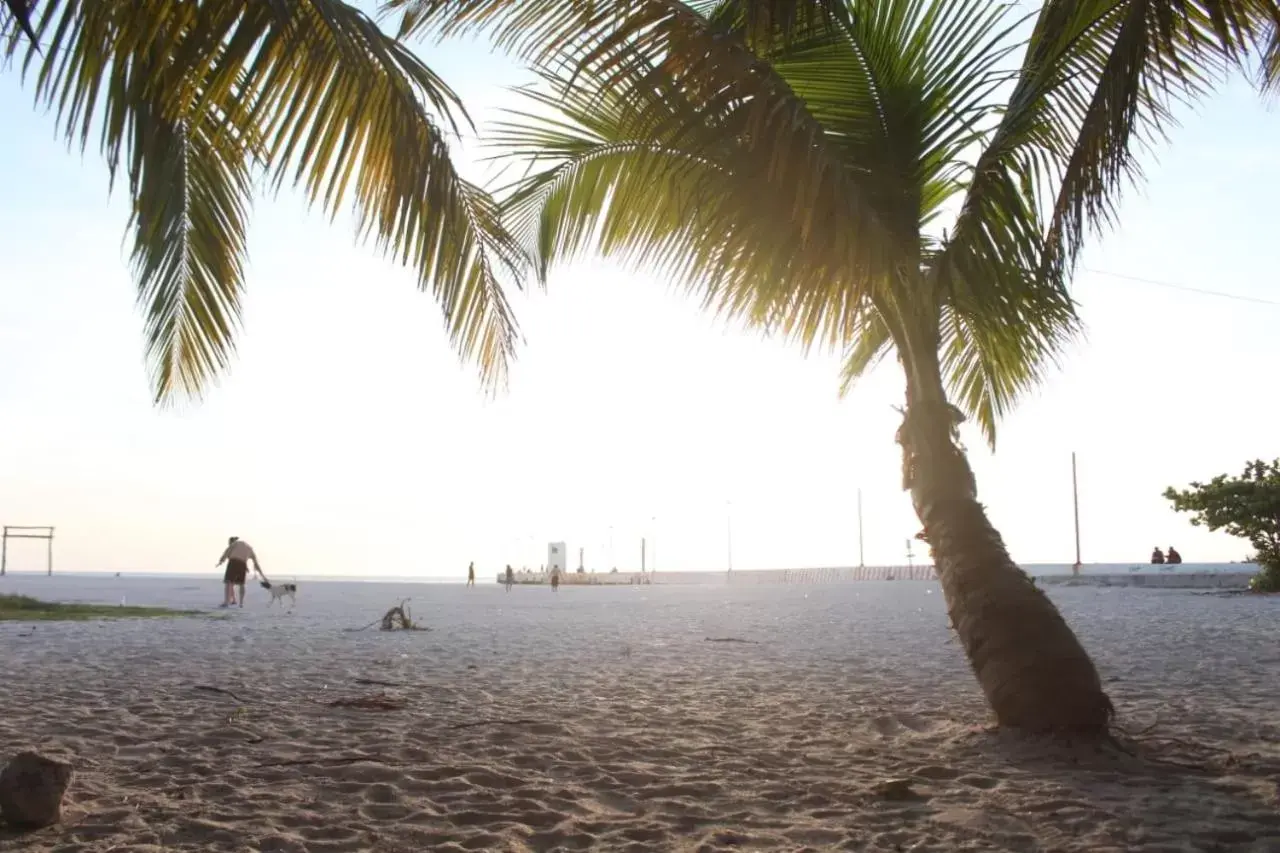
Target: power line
{"type": "Point", "coordinates": [1257, 300]}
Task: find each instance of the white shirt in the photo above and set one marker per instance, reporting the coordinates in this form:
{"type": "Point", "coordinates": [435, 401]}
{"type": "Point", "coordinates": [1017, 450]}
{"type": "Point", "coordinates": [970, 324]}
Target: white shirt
{"type": "Point", "coordinates": [240, 550]}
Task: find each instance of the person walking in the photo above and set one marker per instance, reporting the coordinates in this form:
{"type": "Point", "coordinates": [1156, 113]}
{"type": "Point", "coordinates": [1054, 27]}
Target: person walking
{"type": "Point", "coordinates": [511, 577]}
{"type": "Point", "coordinates": [237, 557]}
{"type": "Point", "coordinates": [471, 575]}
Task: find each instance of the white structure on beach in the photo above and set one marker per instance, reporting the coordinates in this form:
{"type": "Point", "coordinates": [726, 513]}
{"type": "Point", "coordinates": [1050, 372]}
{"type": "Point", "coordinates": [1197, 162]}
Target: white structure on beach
{"type": "Point", "coordinates": [556, 555]}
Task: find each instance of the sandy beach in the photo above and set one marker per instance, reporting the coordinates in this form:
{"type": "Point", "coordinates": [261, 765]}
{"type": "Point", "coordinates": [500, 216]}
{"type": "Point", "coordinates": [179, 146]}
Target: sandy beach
{"type": "Point", "coordinates": [602, 718]}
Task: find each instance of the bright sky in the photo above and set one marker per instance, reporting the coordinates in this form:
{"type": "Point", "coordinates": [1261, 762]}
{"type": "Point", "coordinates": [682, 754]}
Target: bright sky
{"type": "Point", "coordinates": [348, 440]}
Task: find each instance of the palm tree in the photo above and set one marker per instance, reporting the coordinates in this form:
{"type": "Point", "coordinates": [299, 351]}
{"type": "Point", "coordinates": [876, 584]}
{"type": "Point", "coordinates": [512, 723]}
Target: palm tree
{"type": "Point", "coordinates": [197, 98]}
{"type": "Point", "coordinates": [876, 176]}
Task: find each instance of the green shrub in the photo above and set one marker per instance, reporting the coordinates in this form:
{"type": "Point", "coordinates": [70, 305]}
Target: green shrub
{"type": "Point", "coordinates": [1247, 506]}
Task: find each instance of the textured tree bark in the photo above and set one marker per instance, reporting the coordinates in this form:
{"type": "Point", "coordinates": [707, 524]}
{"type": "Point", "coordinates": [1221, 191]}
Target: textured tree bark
{"type": "Point", "coordinates": [1036, 675]}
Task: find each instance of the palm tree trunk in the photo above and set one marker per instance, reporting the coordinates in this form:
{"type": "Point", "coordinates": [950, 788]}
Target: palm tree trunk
{"type": "Point", "coordinates": [1034, 672]}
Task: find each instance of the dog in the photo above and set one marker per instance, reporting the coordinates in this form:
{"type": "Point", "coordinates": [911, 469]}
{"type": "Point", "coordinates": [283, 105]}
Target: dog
{"type": "Point", "coordinates": [279, 591]}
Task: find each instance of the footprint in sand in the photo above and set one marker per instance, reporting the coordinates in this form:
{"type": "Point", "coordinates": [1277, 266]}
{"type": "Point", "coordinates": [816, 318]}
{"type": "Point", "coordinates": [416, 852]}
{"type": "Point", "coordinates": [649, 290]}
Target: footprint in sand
{"type": "Point", "coordinates": [815, 836]}
{"type": "Point", "coordinates": [617, 803]}
{"type": "Point", "coordinates": [561, 840]}
{"type": "Point", "coordinates": [985, 783]}
{"type": "Point", "coordinates": [493, 780]}
{"type": "Point", "coordinates": [277, 843]}
{"type": "Point", "coordinates": [893, 724]}
{"type": "Point", "coordinates": [385, 811]}
{"type": "Point", "coordinates": [937, 772]}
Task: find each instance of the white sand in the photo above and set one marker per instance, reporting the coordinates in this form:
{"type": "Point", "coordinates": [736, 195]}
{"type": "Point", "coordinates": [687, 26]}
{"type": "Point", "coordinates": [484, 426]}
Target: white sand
{"type": "Point", "coordinates": [632, 732]}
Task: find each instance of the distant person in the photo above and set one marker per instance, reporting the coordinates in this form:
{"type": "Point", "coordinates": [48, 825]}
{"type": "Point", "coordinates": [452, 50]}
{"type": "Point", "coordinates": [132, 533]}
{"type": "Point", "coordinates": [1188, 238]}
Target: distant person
{"type": "Point", "coordinates": [511, 577]}
{"type": "Point", "coordinates": [471, 575]}
{"type": "Point", "coordinates": [1174, 557]}
{"type": "Point", "coordinates": [1157, 557]}
{"type": "Point", "coordinates": [555, 580]}
{"type": "Point", "coordinates": [237, 557]}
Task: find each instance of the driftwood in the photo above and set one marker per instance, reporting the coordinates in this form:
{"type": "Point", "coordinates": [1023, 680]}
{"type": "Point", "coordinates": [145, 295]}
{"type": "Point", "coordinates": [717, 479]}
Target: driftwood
{"type": "Point", "coordinates": [395, 619]}
{"type": "Point", "coordinates": [398, 619]}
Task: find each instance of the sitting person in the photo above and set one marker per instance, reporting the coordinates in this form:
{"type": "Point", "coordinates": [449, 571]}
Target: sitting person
{"type": "Point", "coordinates": [1157, 557]}
{"type": "Point", "coordinates": [1174, 557]}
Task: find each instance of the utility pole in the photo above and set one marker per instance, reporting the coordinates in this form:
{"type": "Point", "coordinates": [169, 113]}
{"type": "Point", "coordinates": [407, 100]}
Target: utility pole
{"type": "Point", "coordinates": [654, 562]}
{"type": "Point", "coordinates": [1075, 503]}
{"type": "Point", "coordinates": [861, 562]}
{"type": "Point", "coordinates": [729, 527]}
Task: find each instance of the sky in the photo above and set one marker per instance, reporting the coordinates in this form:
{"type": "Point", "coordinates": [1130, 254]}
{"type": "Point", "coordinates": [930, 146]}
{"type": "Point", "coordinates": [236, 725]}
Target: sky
{"type": "Point", "coordinates": [347, 439]}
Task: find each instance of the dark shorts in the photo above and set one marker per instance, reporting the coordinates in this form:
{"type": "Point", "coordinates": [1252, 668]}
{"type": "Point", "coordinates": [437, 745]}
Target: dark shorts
{"type": "Point", "coordinates": [237, 572]}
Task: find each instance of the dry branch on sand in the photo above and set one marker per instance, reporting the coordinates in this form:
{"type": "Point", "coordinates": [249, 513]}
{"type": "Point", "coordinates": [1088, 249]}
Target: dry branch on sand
{"type": "Point", "coordinates": [398, 618]}
{"type": "Point", "coordinates": [395, 619]}
{"type": "Point", "coordinates": [377, 682]}
{"type": "Point", "coordinates": [208, 688]}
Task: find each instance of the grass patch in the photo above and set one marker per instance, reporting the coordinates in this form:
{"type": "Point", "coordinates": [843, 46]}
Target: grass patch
{"type": "Point", "coordinates": [23, 608]}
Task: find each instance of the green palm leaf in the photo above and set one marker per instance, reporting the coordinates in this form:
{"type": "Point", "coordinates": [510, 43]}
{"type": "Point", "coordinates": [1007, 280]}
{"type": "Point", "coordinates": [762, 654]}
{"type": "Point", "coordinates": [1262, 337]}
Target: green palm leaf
{"type": "Point", "coordinates": [190, 185]}
{"type": "Point", "coordinates": [900, 91]}
{"type": "Point", "coordinates": [602, 180]}
{"type": "Point", "coordinates": [312, 93]}
{"type": "Point", "coordinates": [1270, 78]}
{"type": "Point", "coordinates": [1139, 56]}
{"type": "Point", "coordinates": [1097, 77]}
{"type": "Point", "coordinates": [871, 343]}
{"type": "Point", "coordinates": [20, 12]}
{"type": "Point", "coordinates": [645, 46]}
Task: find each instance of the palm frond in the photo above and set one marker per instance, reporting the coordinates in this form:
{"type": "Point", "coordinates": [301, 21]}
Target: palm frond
{"type": "Point", "coordinates": [871, 343]}
{"type": "Point", "coordinates": [602, 180]}
{"type": "Point", "coordinates": [641, 46]}
{"type": "Point", "coordinates": [1135, 60]}
{"type": "Point", "coordinates": [541, 30]}
{"type": "Point", "coordinates": [1270, 77]}
{"type": "Point", "coordinates": [902, 91]}
{"type": "Point", "coordinates": [314, 94]}
{"type": "Point", "coordinates": [20, 13]}
{"type": "Point", "coordinates": [190, 185]}
{"type": "Point", "coordinates": [1095, 83]}
{"type": "Point", "coordinates": [990, 359]}
{"type": "Point", "coordinates": [766, 25]}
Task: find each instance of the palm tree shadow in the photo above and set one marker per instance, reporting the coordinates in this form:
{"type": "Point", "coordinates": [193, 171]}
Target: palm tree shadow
{"type": "Point", "coordinates": [1133, 784]}
{"type": "Point", "coordinates": [10, 833]}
